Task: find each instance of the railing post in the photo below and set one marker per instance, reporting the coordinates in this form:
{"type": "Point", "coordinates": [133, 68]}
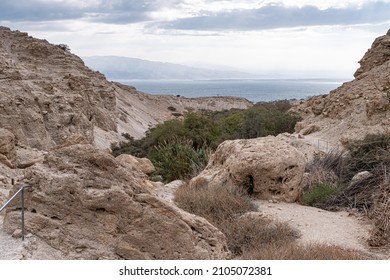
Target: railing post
{"type": "Point", "coordinates": [22, 213]}
{"type": "Point", "coordinates": [21, 190]}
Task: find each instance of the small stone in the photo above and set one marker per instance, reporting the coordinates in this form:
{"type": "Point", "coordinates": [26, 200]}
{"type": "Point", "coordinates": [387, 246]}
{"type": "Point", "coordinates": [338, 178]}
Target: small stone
{"type": "Point", "coordinates": [17, 233]}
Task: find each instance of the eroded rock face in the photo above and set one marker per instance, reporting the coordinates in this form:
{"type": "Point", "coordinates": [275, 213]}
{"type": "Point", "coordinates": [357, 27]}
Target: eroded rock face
{"type": "Point", "coordinates": [7, 148]}
{"type": "Point", "coordinates": [84, 203]}
{"type": "Point", "coordinates": [378, 54]}
{"type": "Point", "coordinates": [47, 94]}
{"type": "Point", "coordinates": [356, 108]}
{"type": "Point", "coordinates": [267, 167]}
{"type": "Point", "coordinates": [141, 164]}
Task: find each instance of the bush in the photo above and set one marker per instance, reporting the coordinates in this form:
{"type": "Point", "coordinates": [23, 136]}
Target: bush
{"type": "Point", "coordinates": [205, 130]}
{"type": "Point", "coordinates": [224, 207]}
{"type": "Point", "coordinates": [370, 154]}
{"type": "Point", "coordinates": [178, 159]}
{"type": "Point", "coordinates": [253, 232]}
{"type": "Point", "coordinates": [216, 204]}
{"type": "Point", "coordinates": [319, 194]}
{"type": "Point", "coordinates": [64, 47]}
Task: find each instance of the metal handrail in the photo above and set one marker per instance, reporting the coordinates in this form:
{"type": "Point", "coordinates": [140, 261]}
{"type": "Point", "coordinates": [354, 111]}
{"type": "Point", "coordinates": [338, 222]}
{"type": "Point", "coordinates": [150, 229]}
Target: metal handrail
{"type": "Point", "coordinates": [21, 190]}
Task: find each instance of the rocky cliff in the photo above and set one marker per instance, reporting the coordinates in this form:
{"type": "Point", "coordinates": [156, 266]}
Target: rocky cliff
{"type": "Point", "coordinates": [47, 94]}
{"type": "Point", "coordinates": [356, 108]}
{"type": "Point", "coordinates": [57, 117]}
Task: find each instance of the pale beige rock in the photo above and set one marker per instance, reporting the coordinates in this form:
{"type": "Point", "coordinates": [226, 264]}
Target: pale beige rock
{"type": "Point", "coordinates": [7, 148]}
{"type": "Point", "coordinates": [86, 205]}
{"type": "Point", "coordinates": [142, 164]}
{"type": "Point", "coordinates": [54, 95]}
{"type": "Point", "coordinates": [167, 191]}
{"type": "Point", "coordinates": [356, 108]}
{"type": "Point", "coordinates": [310, 129]}
{"type": "Point", "coordinates": [267, 167]}
{"type": "Point", "coordinates": [360, 177]}
{"type": "Point", "coordinates": [27, 157]}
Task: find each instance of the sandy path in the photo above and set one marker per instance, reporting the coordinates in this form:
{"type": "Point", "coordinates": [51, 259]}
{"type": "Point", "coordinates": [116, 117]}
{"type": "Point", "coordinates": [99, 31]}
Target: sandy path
{"type": "Point", "coordinates": [317, 225]}
{"type": "Point", "coordinates": [10, 248]}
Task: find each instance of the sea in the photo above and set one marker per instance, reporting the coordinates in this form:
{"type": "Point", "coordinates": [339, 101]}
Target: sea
{"type": "Point", "coordinates": [254, 90]}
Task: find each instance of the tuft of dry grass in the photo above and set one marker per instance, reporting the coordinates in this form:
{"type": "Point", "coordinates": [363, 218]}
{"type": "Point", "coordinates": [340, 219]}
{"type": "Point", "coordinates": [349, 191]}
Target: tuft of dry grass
{"type": "Point", "coordinates": [250, 235]}
{"type": "Point", "coordinates": [224, 206]}
{"type": "Point", "coordinates": [295, 251]}
{"type": "Point", "coordinates": [216, 204]}
{"type": "Point", "coordinates": [250, 232]}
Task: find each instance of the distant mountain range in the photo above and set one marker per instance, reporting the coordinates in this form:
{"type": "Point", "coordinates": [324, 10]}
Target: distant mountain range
{"type": "Point", "coordinates": [126, 68]}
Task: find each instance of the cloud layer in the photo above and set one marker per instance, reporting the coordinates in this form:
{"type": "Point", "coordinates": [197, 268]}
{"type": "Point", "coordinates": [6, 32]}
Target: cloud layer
{"type": "Point", "coordinates": [279, 16]}
{"type": "Point", "coordinates": [132, 11]}
{"type": "Point", "coordinates": [106, 11]}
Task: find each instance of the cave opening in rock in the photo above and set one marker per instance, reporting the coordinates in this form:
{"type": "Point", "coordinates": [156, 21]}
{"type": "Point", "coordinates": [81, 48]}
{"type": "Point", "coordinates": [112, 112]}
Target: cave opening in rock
{"type": "Point", "coordinates": [249, 185]}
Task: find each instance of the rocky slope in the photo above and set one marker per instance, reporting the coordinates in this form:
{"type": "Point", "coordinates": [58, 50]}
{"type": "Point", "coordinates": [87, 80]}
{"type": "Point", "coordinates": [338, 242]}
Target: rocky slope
{"type": "Point", "coordinates": [356, 108]}
{"type": "Point", "coordinates": [57, 117]}
{"type": "Point", "coordinates": [47, 94]}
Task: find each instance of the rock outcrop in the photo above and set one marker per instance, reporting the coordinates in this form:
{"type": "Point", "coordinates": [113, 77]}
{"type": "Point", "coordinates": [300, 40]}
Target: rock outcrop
{"type": "Point", "coordinates": [55, 115]}
{"type": "Point", "coordinates": [268, 168]}
{"type": "Point", "coordinates": [356, 108]}
{"type": "Point", "coordinates": [7, 148]}
{"type": "Point", "coordinates": [84, 203]}
{"type": "Point", "coordinates": [377, 55]}
{"type": "Point", "coordinates": [141, 164]}
{"type": "Point", "coordinates": [47, 94]}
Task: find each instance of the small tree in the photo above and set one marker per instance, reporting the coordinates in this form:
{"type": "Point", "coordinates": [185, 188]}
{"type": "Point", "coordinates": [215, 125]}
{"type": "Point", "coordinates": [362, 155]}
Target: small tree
{"type": "Point", "coordinates": [64, 47]}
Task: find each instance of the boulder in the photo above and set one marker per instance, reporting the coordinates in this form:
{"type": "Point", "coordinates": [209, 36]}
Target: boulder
{"type": "Point", "coordinates": [86, 204]}
{"type": "Point", "coordinates": [142, 164]}
{"type": "Point", "coordinates": [268, 168]}
{"type": "Point", "coordinates": [359, 177]}
{"type": "Point", "coordinates": [7, 148]}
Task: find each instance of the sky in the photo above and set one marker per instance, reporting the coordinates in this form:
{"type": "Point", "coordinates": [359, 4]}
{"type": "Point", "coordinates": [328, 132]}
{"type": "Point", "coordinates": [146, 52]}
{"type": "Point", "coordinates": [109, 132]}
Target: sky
{"type": "Point", "coordinates": [275, 39]}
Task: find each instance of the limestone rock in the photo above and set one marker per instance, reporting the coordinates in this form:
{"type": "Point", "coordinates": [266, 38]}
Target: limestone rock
{"type": "Point", "coordinates": [26, 157]}
{"type": "Point", "coordinates": [167, 191]}
{"type": "Point", "coordinates": [377, 55]}
{"type": "Point", "coordinates": [356, 108]}
{"type": "Point", "coordinates": [310, 129]}
{"type": "Point", "coordinates": [359, 177]}
{"type": "Point", "coordinates": [142, 164]}
{"type": "Point", "coordinates": [86, 204]}
{"type": "Point", "coordinates": [7, 148]}
{"type": "Point", "coordinates": [48, 94]}
{"type": "Point", "coordinates": [267, 167]}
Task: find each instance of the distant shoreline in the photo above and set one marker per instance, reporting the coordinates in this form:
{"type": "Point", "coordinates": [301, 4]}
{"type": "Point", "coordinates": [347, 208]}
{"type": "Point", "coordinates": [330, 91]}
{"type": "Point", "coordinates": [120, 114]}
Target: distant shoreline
{"type": "Point", "coordinates": [254, 90]}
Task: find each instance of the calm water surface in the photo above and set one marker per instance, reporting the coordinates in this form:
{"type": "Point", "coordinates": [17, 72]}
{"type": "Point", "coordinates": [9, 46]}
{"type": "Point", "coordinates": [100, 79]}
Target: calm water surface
{"type": "Point", "coordinates": [253, 90]}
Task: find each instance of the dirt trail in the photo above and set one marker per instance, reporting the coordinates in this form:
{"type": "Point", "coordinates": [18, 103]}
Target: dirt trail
{"type": "Point", "coordinates": [341, 228]}
{"type": "Point", "coordinates": [10, 248]}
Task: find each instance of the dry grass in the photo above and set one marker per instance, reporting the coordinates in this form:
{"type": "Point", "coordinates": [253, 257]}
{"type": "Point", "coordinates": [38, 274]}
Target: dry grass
{"type": "Point", "coordinates": [294, 251]}
{"type": "Point", "coordinates": [224, 207]}
{"type": "Point", "coordinates": [250, 232]}
{"type": "Point", "coordinates": [215, 204]}
{"type": "Point", "coordinates": [250, 235]}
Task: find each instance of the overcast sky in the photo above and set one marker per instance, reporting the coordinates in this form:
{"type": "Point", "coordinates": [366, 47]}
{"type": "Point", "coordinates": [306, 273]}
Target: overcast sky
{"type": "Point", "coordinates": [303, 38]}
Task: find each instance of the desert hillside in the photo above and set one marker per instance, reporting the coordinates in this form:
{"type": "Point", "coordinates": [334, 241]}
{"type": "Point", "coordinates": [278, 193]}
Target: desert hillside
{"type": "Point", "coordinates": [47, 94]}
{"type": "Point", "coordinates": [58, 117]}
{"type": "Point", "coordinates": [357, 107]}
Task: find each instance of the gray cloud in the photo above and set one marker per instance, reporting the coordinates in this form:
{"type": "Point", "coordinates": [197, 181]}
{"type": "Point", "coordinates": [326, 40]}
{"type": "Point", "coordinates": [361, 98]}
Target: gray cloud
{"type": "Point", "coordinates": [278, 16]}
{"type": "Point", "coordinates": [108, 11]}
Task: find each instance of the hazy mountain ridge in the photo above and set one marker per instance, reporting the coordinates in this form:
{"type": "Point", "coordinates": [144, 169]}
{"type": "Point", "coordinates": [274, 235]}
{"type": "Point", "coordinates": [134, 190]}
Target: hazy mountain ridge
{"type": "Point", "coordinates": [126, 68]}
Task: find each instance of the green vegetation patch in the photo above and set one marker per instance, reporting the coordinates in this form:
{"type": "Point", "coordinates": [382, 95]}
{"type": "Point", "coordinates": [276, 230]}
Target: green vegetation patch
{"type": "Point", "coordinates": [319, 194]}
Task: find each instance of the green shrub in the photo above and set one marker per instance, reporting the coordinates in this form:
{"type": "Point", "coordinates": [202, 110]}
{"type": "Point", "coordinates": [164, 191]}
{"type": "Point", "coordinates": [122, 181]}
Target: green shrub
{"type": "Point", "coordinates": [178, 159]}
{"type": "Point", "coordinates": [369, 154]}
{"type": "Point", "coordinates": [319, 194]}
